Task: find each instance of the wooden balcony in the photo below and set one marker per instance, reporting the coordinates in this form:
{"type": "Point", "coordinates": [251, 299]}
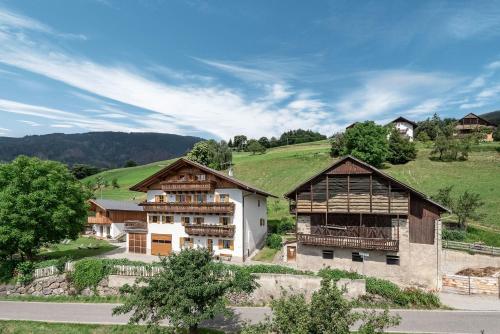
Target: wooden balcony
{"type": "Point", "coordinates": [200, 186]}
{"type": "Point", "coordinates": [202, 208]}
{"type": "Point", "coordinates": [135, 226]}
{"type": "Point", "coordinates": [99, 220]}
{"type": "Point", "coordinates": [226, 231]}
{"type": "Point", "coordinates": [357, 237]}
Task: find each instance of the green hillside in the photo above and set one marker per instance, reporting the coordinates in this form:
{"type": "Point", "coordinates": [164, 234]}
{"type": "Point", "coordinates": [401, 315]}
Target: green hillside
{"type": "Point", "coordinates": [281, 168]}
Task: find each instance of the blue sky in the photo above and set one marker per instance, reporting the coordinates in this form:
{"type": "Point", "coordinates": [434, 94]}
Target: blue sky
{"type": "Point", "coordinates": [221, 68]}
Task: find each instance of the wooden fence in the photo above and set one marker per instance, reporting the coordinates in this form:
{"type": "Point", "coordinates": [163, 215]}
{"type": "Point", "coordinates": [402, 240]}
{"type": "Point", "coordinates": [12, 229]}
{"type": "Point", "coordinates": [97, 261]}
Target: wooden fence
{"type": "Point", "coordinates": [472, 248]}
{"type": "Point", "coordinates": [124, 270]}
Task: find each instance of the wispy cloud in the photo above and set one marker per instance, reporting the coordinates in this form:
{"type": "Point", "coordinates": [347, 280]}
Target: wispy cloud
{"type": "Point", "coordinates": [63, 126]}
{"type": "Point", "coordinates": [10, 20]}
{"type": "Point", "coordinates": [382, 92]}
{"type": "Point", "coordinates": [472, 20]}
{"type": "Point", "coordinates": [30, 123]}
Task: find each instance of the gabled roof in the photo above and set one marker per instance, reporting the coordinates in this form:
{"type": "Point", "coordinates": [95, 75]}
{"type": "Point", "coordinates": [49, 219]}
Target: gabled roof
{"type": "Point", "coordinates": [476, 116]}
{"type": "Point", "coordinates": [402, 119]}
{"type": "Point", "coordinates": [107, 204]}
{"type": "Point", "coordinates": [351, 125]}
{"type": "Point", "coordinates": [412, 190]}
{"type": "Point", "coordinates": [143, 185]}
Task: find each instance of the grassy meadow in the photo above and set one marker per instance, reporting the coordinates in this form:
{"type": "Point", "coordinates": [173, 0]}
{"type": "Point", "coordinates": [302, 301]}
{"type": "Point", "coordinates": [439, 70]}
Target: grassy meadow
{"type": "Point", "coordinates": [280, 169]}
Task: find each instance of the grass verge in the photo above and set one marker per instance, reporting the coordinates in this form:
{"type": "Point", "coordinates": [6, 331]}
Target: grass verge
{"type": "Point", "coordinates": [24, 327]}
{"type": "Point", "coordinates": [266, 254]}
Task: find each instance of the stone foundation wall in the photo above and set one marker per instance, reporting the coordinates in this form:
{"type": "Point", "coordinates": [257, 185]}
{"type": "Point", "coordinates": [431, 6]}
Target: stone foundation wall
{"type": "Point", "coordinates": [471, 285]}
{"type": "Point", "coordinates": [57, 285]}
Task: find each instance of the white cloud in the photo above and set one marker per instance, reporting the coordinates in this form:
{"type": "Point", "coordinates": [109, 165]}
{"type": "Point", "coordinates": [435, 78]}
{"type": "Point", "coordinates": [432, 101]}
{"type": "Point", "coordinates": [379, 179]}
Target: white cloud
{"type": "Point", "coordinates": [214, 109]}
{"type": "Point", "coordinates": [30, 123]}
{"type": "Point", "coordinates": [493, 65]}
{"type": "Point", "coordinates": [392, 91]}
{"type": "Point", "coordinates": [474, 21]}
{"type": "Point", "coordinates": [63, 126]}
{"type": "Point", "coordinates": [429, 106]}
{"type": "Point", "coordinates": [10, 20]}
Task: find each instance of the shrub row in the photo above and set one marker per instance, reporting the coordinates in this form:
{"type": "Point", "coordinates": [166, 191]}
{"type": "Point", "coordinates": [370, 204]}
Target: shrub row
{"type": "Point", "coordinates": [387, 290]}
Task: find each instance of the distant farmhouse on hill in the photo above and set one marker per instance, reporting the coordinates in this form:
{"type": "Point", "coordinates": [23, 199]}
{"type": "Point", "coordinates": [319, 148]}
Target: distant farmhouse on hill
{"type": "Point", "coordinates": [471, 123]}
{"type": "Point", "coordinates": [405, 126]}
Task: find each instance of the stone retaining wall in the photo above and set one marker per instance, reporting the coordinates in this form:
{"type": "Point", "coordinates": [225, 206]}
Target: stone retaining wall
{"type": "Point", "coordinates": [271, 286]}
{"type": "Point", "coordinates": [469, 285]}
{"type": "Point", "coordinates": [57, 285]}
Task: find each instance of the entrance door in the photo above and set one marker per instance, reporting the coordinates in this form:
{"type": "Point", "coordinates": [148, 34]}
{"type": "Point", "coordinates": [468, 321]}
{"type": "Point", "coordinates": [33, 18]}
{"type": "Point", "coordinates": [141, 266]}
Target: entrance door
{"type": "Point", "coordinates": [291, 253]}
{"type": "Point", "coordinates": [137, 243]}
{"type": "Point", "coordinates": [161, 244]}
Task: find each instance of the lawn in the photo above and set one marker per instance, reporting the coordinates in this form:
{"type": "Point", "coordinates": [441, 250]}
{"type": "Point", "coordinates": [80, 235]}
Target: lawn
{"type": "Point", "coordinates": [266, 254]}
{"type": "Point", "coordinates": [28, 327]}
{"type": "Point", "coordinates": [74, 250]}
{"type": "Point", "coordinates": [280, 169]}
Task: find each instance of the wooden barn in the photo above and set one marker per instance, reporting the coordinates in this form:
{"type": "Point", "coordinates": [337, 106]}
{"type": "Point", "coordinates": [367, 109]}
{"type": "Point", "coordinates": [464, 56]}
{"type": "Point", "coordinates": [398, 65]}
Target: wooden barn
{"type": "Point", "coordinates": [353, 213]}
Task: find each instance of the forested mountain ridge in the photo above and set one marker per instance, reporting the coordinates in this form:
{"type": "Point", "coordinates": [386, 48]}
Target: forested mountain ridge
{"type": "Point", "coordinates": [100, 149]}
{"type": "Point", "coordinates": [493, 117]}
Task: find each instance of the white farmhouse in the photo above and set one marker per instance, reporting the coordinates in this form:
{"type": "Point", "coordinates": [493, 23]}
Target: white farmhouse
{"type": "Point", "coordinates": [192, 206]}
{"type": "Point", "coordinates": [404, 126]}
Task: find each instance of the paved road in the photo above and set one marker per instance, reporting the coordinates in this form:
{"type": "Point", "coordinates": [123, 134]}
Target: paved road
{"type": "Point", "coordinates": [456, 322]}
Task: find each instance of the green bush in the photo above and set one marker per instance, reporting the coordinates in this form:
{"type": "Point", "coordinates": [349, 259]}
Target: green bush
{"type": "Point", "coordinates": [286, 225]}
{"type": "Point", "coordinates": [88, 273]}
{"type": "Point", "coordinates": [386, 289]}
{"type": "Point", "coordinates": [274, 241]}
{"type": "Point", "coordinates": [7, 268]}
{"type": "Point", "coordinates": [454, 235]}
{"type": "Point", "coordinates": [25, 272]}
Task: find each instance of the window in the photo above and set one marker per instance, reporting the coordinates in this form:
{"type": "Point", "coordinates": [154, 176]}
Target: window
{"type": "Point", "coordinates": [183, 198]}
{"type": "Point", "coordinates": [186, 243]}
{"type": "Point", "coordinates": [201, 177]}
{"type": "Point", "coordinates": [185, 220]}
{"type": "Point", "coordinates": [154, 219]}
{"type": "Point", "coordinates": [159, 198]}
{"type": "Point", "coordinates": [224, 221]}
{"type": "Point", "coordinates": [226, 244]}
{"type": "Point", "coordinates": [222, 198]}
{"type": "Point", "coordinates": [262, 222]}
{"type": "Point", "coordinates": [328, 254]}
{"type": "Point", "coordinates": [356, 257]}
{"type": "Point", "coordinates": [258, 203]}
{"type": "Point", "coordinates": [182, 177]}
{"type": "Point", "coordinates": [392, 260]}
{"type": "Point", "coordinates": [199, 220]}
{"type": "Point", "coordinates": [168, 219]}
{"type": "Point", "coordinates": [200, 198]}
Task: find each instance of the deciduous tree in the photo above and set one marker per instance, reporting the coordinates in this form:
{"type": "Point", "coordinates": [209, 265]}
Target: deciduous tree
{"type": "Point", "coordinates": [368, 142]}
{"type": "Point", "coordinates": [40, 202]}
{"type": "Point", "coordinates": [189, 289]}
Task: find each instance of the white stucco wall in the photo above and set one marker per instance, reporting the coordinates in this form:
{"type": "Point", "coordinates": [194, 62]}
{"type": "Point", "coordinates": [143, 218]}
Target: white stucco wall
{"type": "Point", "coordinates": [116, 229]}
{"type": "Point", "coordinates": [245, 239]}
{"type": "Point", "coordinates": [255, 234]}
{"type": "Point", "coordinates": [404, 126]}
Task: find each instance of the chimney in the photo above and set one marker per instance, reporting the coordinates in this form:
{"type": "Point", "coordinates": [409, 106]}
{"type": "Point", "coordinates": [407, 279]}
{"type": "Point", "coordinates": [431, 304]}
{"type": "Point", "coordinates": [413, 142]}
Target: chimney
{"type": "Point", "coordinates": [230, 171]}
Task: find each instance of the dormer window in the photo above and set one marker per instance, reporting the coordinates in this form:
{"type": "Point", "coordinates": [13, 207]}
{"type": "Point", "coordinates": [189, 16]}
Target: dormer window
{"type": "Point", "coordinates": [201, 177]}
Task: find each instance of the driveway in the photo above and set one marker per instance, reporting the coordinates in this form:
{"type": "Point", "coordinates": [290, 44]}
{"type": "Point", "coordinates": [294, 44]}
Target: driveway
{"type": "Point", "coordinates": [413, 321]}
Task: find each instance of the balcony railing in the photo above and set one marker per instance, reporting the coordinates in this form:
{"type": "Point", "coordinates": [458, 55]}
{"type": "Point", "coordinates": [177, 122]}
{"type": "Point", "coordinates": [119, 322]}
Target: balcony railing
{"type": "Point", "coordinates": [208, 186]}
{"type": "Point", "coordinates": [210, 230]}
{"type": "Point", "coordinates": [208, 208]}
{"type": "Point", "coordinates": [357, 237]}
{"type": "Point", "coordinates": [135, 226]}
{"type": "Point", "coordinates": [99, 220]}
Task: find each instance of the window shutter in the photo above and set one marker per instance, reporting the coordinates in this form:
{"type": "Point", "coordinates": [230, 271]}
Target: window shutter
{"type": "Point", "coordinates": [231, 244]}
{"type": "Point", "coordinates": [177, 198]}
{"type": "Point", "coordinates": [220, 244]}
{"type": "Point", "coordinates": [181, 240]}
{"type": "Point", "coordinates": [188, 198]}
{"type": "Point", "coordinates": [226, 199]}
{"type": "Point", "coordinates": [191, 242]}
{"type": "Point", "coordinates": [221, 220]}
{"type": "Point", "coordinates": [217, 198]}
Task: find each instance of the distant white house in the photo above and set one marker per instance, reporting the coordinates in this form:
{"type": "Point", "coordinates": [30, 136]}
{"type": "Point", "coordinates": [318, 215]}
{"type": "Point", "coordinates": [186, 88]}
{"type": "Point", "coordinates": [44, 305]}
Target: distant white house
{"type": "Point", "coordinates": [192, 206]}
{"type": "Point", "coordinates": [405, 126]}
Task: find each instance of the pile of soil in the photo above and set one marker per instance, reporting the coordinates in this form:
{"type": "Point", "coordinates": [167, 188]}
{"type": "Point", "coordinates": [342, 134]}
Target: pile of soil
{"type": "Point", "coordinates": [480, 272]}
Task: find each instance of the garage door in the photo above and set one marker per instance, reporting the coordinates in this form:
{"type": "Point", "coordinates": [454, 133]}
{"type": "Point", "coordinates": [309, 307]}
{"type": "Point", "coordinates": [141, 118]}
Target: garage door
{"type": "Point", "coordinates": [161, 244]}
{"type": "Point", "coordinates": [137, 243]}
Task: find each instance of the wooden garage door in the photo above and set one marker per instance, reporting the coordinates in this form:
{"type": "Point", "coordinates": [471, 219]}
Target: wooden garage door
{"type": "Point", "coordinates": [137, 243]}
{"type": "Point", "coordinates": [161, 244]}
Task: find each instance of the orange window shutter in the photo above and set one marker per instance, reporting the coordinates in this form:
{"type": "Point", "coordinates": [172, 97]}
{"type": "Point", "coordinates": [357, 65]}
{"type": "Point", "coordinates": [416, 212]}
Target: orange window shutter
{"type": "Point", "coordinates": [231, 244]}
{"type": "Point", "coordinates": [191, 242]}
{"type": "Point", "coordinates": [177, 198]}
{"type": "Point", "coordinates": [181, 240]}
{"type": "Point", "coordinates": [204, 198]}
{"type": "Point", "coordinates": [220, 244]}
{"type": "Point", "coordinates": [217, 198]}
{"type": "Point", "coordinates": [226, 199]}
